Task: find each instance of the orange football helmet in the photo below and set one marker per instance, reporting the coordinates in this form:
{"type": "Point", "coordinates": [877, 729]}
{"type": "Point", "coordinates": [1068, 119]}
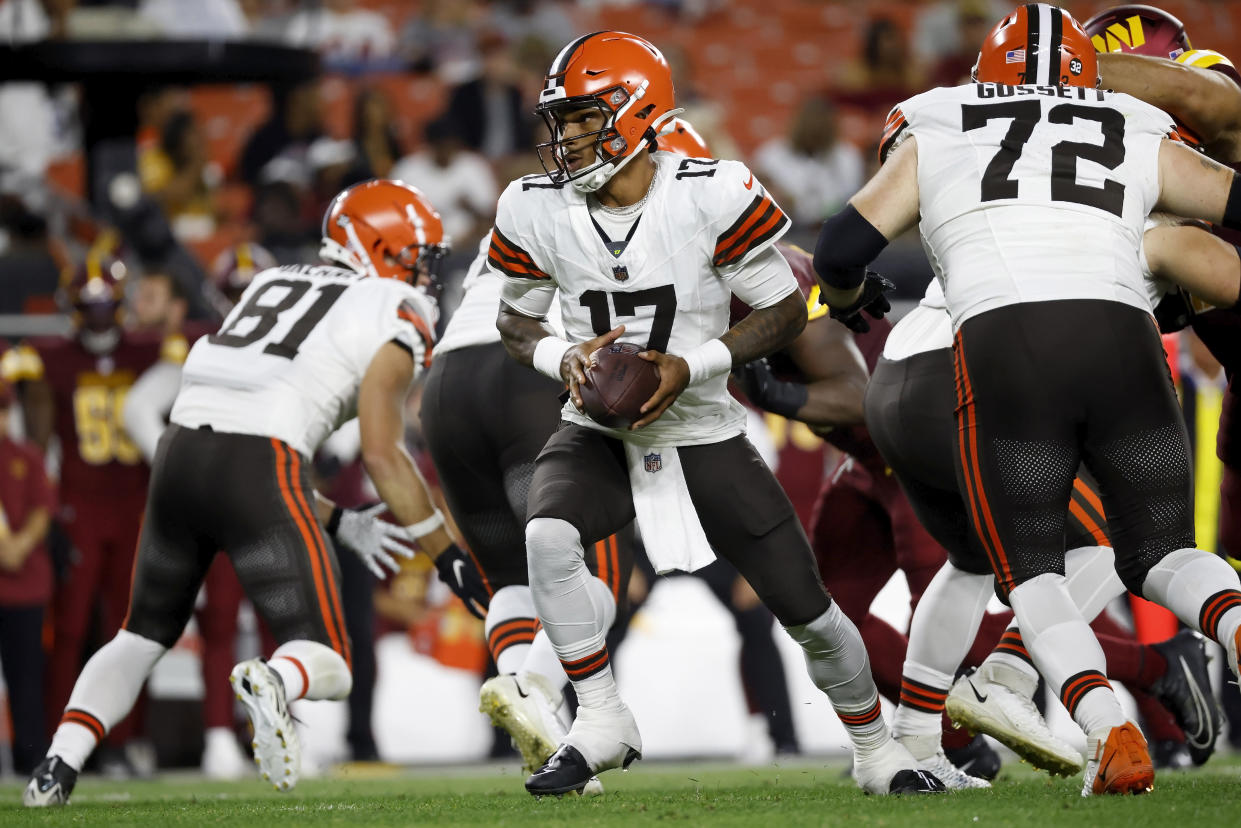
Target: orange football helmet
{"type": "Point", "coordinates": [623, 76]}
{"type": "Point", "coordinates": [683, 139]}
{"type": "Point", "coordinates": [386, 229]}
{"type": "Point", "coordinates": [1038, 43]}
{"type": "Point", "coordinates": [93, 296]}
{"type": "Point", "coordinates": [1142, 30]}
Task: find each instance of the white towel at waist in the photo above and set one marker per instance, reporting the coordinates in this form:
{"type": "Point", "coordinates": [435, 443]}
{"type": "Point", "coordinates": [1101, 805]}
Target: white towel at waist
{"type": "Point", "coordinates": [671, 530]}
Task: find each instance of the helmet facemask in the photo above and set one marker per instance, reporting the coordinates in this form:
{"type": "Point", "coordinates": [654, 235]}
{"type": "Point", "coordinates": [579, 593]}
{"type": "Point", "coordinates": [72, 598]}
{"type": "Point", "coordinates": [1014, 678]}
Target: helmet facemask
{"type": "Point", "coordinates": [612, 151]}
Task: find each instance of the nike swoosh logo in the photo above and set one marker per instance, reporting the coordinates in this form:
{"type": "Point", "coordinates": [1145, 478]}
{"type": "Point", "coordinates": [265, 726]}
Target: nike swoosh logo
{"type": "Point", "coordinates": [981, 698]}
{"type": "Point", "coordinates": [1202, 736]}
{"type": "Point", "coordinates": [1102, 774]}
{"type": "Point", "coordinates": [749, 185]}
{"type": "Point", "coordinates": [595, 72]}
{"type": "Point", "coordinates": [458, 567]}
{"type": "Point", "coordinates": [521, 692]}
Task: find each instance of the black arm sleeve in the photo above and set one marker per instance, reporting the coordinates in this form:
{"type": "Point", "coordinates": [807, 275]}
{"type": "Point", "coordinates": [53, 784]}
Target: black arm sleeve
{"type": "Point", "coordinates": [1232, 210]}
{"type": "Point", "coordinates": [847, 243]}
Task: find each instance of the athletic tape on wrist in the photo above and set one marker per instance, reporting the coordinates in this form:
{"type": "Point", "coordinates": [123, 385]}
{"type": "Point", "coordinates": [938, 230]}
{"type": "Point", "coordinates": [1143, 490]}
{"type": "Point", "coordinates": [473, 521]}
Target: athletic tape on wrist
{"type": "Point", "coordinates": [426, 527]}
{"type": "Point", "coordinates": [708, 360]}
{"type": "Point", "coordinates": [548, 354]}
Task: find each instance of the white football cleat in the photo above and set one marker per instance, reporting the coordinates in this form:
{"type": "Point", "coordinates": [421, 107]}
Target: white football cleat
{"type": "Point", "coordinates": [527, 707]}
{"type": "Point", "coordinates": [929, 754]}
{"type": "Point", "coordinates": [994, 700]}
{"type": "Point", "coordinates": [892, 769]}
{"type": "Point", "coordinates": [50, 785]}
{"type": "Point", "coordinates": [599, 740]}
{"type": "Point", "coordinates": [277, 748]}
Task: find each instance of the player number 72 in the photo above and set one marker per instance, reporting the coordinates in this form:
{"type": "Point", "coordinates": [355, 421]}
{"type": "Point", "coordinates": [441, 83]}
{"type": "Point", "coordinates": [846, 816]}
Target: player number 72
{"type": "Point", "coordinates": [1026, 115]}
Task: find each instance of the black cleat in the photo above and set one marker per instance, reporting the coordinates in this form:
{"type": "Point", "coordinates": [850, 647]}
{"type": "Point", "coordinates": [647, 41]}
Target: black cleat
{"type": "Point", "coordinates": [50, 784]}
{"type": "Point", "coordinates": [915, 782]}
{"type": "Point", "coordinates": [977, 759]}
{"type": "Point", "coordinates": [1185, 689]}
{"type": "Point", "coordinates": [567, 770]}
{"type": "Point", "coordinates": [1168, 754]}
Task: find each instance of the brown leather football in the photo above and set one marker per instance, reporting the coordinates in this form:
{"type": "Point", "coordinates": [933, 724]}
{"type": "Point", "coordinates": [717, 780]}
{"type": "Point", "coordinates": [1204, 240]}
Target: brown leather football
{"type": "Point", "coordinates": [620, 382]}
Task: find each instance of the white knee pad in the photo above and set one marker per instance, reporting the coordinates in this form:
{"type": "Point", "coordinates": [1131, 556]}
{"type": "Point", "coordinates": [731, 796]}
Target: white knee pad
{"type": "Point", "coordinates": [553, 550]}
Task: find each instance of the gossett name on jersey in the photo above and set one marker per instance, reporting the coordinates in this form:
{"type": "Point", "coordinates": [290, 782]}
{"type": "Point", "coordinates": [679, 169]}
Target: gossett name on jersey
{"type": "Point", "coordinates": [289, 358]}
{"type": "Point", "coordinates": [703, 223]}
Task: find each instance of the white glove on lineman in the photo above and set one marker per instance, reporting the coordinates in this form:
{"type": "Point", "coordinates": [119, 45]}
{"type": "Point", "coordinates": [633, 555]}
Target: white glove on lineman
{"type": "Point", "coordinates": [372, 538]}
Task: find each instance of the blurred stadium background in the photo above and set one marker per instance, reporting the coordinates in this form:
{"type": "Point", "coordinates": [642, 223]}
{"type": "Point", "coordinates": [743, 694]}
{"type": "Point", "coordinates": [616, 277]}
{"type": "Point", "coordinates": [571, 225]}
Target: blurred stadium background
{"type": "Point", "coordinates": [166, 133]}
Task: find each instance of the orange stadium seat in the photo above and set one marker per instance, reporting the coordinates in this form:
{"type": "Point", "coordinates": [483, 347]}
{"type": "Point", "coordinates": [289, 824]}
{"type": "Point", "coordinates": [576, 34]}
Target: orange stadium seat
{"type": "Point", "coordinates": [228, 114]}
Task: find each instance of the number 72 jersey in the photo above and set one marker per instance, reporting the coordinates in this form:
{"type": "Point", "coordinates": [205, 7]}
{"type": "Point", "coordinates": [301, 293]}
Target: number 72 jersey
{"type": "Point", "coordinates": [289, 359]}
{"type": "Point", "coordinates": [1033, 193]}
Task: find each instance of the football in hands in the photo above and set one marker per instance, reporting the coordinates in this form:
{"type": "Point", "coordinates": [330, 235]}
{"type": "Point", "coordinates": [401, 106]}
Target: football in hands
{"type": "Point", "coordinates": [619, 382]}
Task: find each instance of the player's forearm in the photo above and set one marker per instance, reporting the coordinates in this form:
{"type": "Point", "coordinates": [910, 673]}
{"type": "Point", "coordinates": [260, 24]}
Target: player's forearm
{"type": "Point", "coordinates": [766, 330]}
{"type": "Point", "coordinates": [835, 401]}
{"type": "Point", "coordinates": [1206, 102]}
{"type": "Point", "coordinates": [400, 485]}
{"type": "Point", "coordinates": [519, 333]}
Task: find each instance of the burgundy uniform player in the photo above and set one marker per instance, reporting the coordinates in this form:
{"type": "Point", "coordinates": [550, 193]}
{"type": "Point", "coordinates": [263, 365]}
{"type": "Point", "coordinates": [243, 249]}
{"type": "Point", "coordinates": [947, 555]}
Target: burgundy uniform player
{"type": "Point", "coordinates": [75, 388]}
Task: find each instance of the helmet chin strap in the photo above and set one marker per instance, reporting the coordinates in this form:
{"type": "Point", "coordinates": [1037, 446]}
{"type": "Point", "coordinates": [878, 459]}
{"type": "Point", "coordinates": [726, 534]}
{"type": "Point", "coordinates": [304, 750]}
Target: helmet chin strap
{"type": "Point", "coordinates": [595, 179]}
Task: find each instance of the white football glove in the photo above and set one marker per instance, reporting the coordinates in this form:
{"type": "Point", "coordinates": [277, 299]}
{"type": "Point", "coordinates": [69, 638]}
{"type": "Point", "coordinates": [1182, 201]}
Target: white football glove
{"type": "Point", "coordinates": [373, 539]}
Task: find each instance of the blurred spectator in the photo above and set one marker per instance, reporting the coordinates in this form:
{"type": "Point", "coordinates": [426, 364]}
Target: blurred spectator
{"type": "Point", "coordinates": [296, 121]}
{"type": "Point", "coordinates": [374, 137]}
{"type": "Point", "coordinates": [442, 38]}
{"type": "Point", "coordinates": [282, 225]}
{"type": "Point", "coordinates": [884, 75]}
{"type": "Point", "coordinates": [458, 182]}
{"type": "Point", "coordinates": [197, 19]}
{"type": "Point", "coordinates": [551, 21]}
{"type": "Point", "coordinates": [812, 170]}
{"type": "Point", "coordinates": [340, 31]}
{"type": "Point", "coordinates": [973, 22]}
{"type": "Point", "coordinates": [27, 501]}
{"type": "Point", "coordinates": [156, 304]}
{"type": "Point", "coordinates": [489, 109]}
{"type": "Point", "coordinates": [176, 172]}
{"type": "Point", "coordinates": [23, 21]}
{"type": "Point", "coordinates": [331, 163]}
{"type": "Point", "coordinates": [938, 31]}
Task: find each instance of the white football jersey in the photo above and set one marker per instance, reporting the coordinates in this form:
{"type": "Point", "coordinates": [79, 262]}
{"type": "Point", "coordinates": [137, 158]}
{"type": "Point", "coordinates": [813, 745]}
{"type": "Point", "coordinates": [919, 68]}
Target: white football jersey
{"type": "Point", "coordinates": [1033, 193]}
{"type": "Point", "coordinates": [289, 358]}
{"type": "Point", "coordinates": [703, 225]}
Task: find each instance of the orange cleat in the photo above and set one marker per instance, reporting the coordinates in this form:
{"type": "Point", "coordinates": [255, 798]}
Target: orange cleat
{"type": "Point", "coordinates": [1118, 762]}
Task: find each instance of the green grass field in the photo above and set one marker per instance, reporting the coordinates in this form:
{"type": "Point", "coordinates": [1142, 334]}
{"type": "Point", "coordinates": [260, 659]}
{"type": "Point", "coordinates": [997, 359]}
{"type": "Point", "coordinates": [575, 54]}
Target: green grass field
{"type": "Point", "coordinates": [793, 794]}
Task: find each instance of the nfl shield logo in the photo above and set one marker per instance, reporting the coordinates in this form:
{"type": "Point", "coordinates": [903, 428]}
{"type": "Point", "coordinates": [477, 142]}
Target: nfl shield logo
{"type": "Point", "coordinates": [653, 462]}
{"type": "Point", "coordinates": [622, 274]}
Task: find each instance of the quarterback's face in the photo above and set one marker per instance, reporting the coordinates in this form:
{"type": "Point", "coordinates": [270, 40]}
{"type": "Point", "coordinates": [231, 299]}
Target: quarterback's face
{"type": "Point", "coordinates": [578, 129]}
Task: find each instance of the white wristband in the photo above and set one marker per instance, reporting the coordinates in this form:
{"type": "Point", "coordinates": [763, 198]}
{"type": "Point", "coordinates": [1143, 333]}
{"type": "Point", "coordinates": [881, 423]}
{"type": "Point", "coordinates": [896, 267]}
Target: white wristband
{"type": "Point", "coordinates": [426, 527]}
{"type": "Point", "coordinates": [710, 359]}
{"type": "Point", "coordinates": [548, 355]}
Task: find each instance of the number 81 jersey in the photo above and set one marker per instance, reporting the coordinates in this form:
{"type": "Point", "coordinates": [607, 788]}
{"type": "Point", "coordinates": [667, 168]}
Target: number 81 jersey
{"type": "Point", "coordinates": [289, 358]}
{"type": "Point", "coordinates": [1032, 193]}
{"type": "Point", "coordinates": [670, 283]}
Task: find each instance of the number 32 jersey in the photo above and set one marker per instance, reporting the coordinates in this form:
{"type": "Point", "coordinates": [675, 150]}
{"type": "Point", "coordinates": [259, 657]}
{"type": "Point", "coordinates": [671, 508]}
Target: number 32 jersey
{"type": "Point", "coordinates": [1033, 193]}
{"type": "Point", "coordinates": [289, 358]}
{"type": "Point", "coordinates": [704, 227]}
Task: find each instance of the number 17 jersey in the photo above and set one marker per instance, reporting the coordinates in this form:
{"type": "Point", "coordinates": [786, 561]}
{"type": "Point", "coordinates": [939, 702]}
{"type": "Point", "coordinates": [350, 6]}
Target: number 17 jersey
{"type": "Point", "coordinates": [707, 231]}
{"type": "Point", "coordinates": [289, 359]}
{"type": "Point", "coordinates": [1033, 193]}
